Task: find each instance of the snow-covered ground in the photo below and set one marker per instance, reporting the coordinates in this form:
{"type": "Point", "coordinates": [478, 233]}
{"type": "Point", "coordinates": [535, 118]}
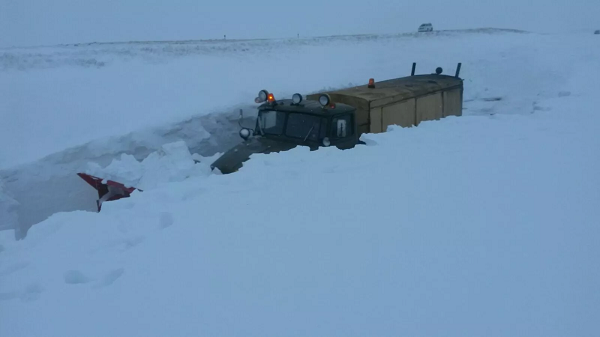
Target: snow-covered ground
{"type": "Point", "coordinates": [485, 224]}
{"type": "Point", "coordinates": [65, 106]}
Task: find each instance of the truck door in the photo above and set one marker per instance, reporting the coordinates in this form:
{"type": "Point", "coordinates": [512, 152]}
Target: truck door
{"type": "Point", "coordinates": [343, 131]}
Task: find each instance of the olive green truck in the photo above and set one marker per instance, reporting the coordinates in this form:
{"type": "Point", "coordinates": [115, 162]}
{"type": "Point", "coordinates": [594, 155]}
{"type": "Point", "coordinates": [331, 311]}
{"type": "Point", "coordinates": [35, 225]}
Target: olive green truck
{"type": "Point", "coordinates": [338, 118]}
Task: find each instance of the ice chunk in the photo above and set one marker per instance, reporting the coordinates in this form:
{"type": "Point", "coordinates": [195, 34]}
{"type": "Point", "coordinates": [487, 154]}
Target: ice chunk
{"type": "Point", "coordinates": [172, 162]}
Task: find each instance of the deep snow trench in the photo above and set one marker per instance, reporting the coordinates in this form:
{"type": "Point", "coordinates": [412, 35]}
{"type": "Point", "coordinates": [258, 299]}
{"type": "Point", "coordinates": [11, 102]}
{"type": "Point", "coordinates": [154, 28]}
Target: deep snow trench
{"type": "Point", "coordinates": [51, 185]}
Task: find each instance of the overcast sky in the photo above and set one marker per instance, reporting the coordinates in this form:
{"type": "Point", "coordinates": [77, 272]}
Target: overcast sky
{"type": "Point", "coordinates": [47, 22]}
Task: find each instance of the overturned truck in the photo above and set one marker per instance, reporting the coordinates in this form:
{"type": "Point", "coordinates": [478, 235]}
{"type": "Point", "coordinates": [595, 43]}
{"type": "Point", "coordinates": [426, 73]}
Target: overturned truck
{"type": "Point", "coordinates": [333, 118]}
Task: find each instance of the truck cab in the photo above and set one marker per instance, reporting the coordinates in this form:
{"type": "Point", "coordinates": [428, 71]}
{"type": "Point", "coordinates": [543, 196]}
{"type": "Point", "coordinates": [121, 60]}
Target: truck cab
{"type": "Point", "coordinates": [284, 124]}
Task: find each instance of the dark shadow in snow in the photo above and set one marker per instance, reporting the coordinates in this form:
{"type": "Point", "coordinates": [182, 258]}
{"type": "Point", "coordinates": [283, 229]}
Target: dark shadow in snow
{"type": "Point", "coordinates": [32, 292]}
{"type": "Point", "coordinates": [165, 220]}
{"type": "Point", "coordinates": [75, 277]}
{"type": "Point", "coordinates": [492, 99]}
{"type": "Point", "coordinates": [13, 268]}
{"type": "Point", "coordinates": [8, 296]}
{"type": "Point", "coordinates": [110, 278]}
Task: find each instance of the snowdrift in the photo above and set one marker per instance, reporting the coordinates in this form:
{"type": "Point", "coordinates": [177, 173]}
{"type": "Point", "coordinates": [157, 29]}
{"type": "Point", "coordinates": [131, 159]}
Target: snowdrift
{"type": "Point", "coordinates": [66, 106]}
{"type": "Point", "coordinates": [481, 225]}
{"type": "Point", "coordinates": [173, 162]}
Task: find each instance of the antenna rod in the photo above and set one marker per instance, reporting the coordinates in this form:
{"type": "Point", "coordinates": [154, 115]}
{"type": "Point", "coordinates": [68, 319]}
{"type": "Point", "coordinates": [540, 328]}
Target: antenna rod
{"type": "Point", "coordinates": [412, 73]}
{"type": "Point", "coordinates": [458, 69]}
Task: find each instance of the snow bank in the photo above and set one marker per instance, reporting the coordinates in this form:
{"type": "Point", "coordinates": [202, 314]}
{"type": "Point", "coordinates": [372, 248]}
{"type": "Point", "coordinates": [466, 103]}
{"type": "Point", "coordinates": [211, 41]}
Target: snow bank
{"type": "Point", "coordinates": [467, 226]}
{"type": "Point", "coordinates": [172, 162]}
{"type": "Point", "coordinates": [51, 185]}
{"type": "Point", "coordinates": [481, 225]}
{"type": "Point", "coordinates": [138, 96]}
{"type": "Point", "coordinates": [147, 86]}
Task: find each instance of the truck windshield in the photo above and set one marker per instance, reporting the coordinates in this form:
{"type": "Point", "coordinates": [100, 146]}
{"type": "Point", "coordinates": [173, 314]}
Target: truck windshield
{"type": "Point", "coordinates": [305, 127]}
{"type": "Point", "coordinates": [300, 126]}
{"type": "Point", "coordinates": [271, 122]}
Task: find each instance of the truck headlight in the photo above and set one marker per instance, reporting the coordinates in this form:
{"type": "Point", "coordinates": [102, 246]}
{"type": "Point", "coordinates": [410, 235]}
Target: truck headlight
{"type": "Point", "coordinates": [245, 133]}
{"type": "Point", "coordinates": [324, 100]}
{"type": "Point", "coordinates": [297, 98]}
{"type": "Point", "coordinates": [262, 96]}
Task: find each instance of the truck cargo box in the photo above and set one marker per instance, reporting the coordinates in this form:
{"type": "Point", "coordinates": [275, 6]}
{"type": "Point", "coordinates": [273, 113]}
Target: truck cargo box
{"type": "Point", "coordinates": [405, 101]}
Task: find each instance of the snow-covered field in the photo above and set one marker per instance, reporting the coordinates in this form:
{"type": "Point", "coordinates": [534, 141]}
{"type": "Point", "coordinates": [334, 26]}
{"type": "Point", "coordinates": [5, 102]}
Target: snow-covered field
{"type": "Point", "coordinates": [63, 107]}
{"type": "Point", "coordinates": [485, 224]}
